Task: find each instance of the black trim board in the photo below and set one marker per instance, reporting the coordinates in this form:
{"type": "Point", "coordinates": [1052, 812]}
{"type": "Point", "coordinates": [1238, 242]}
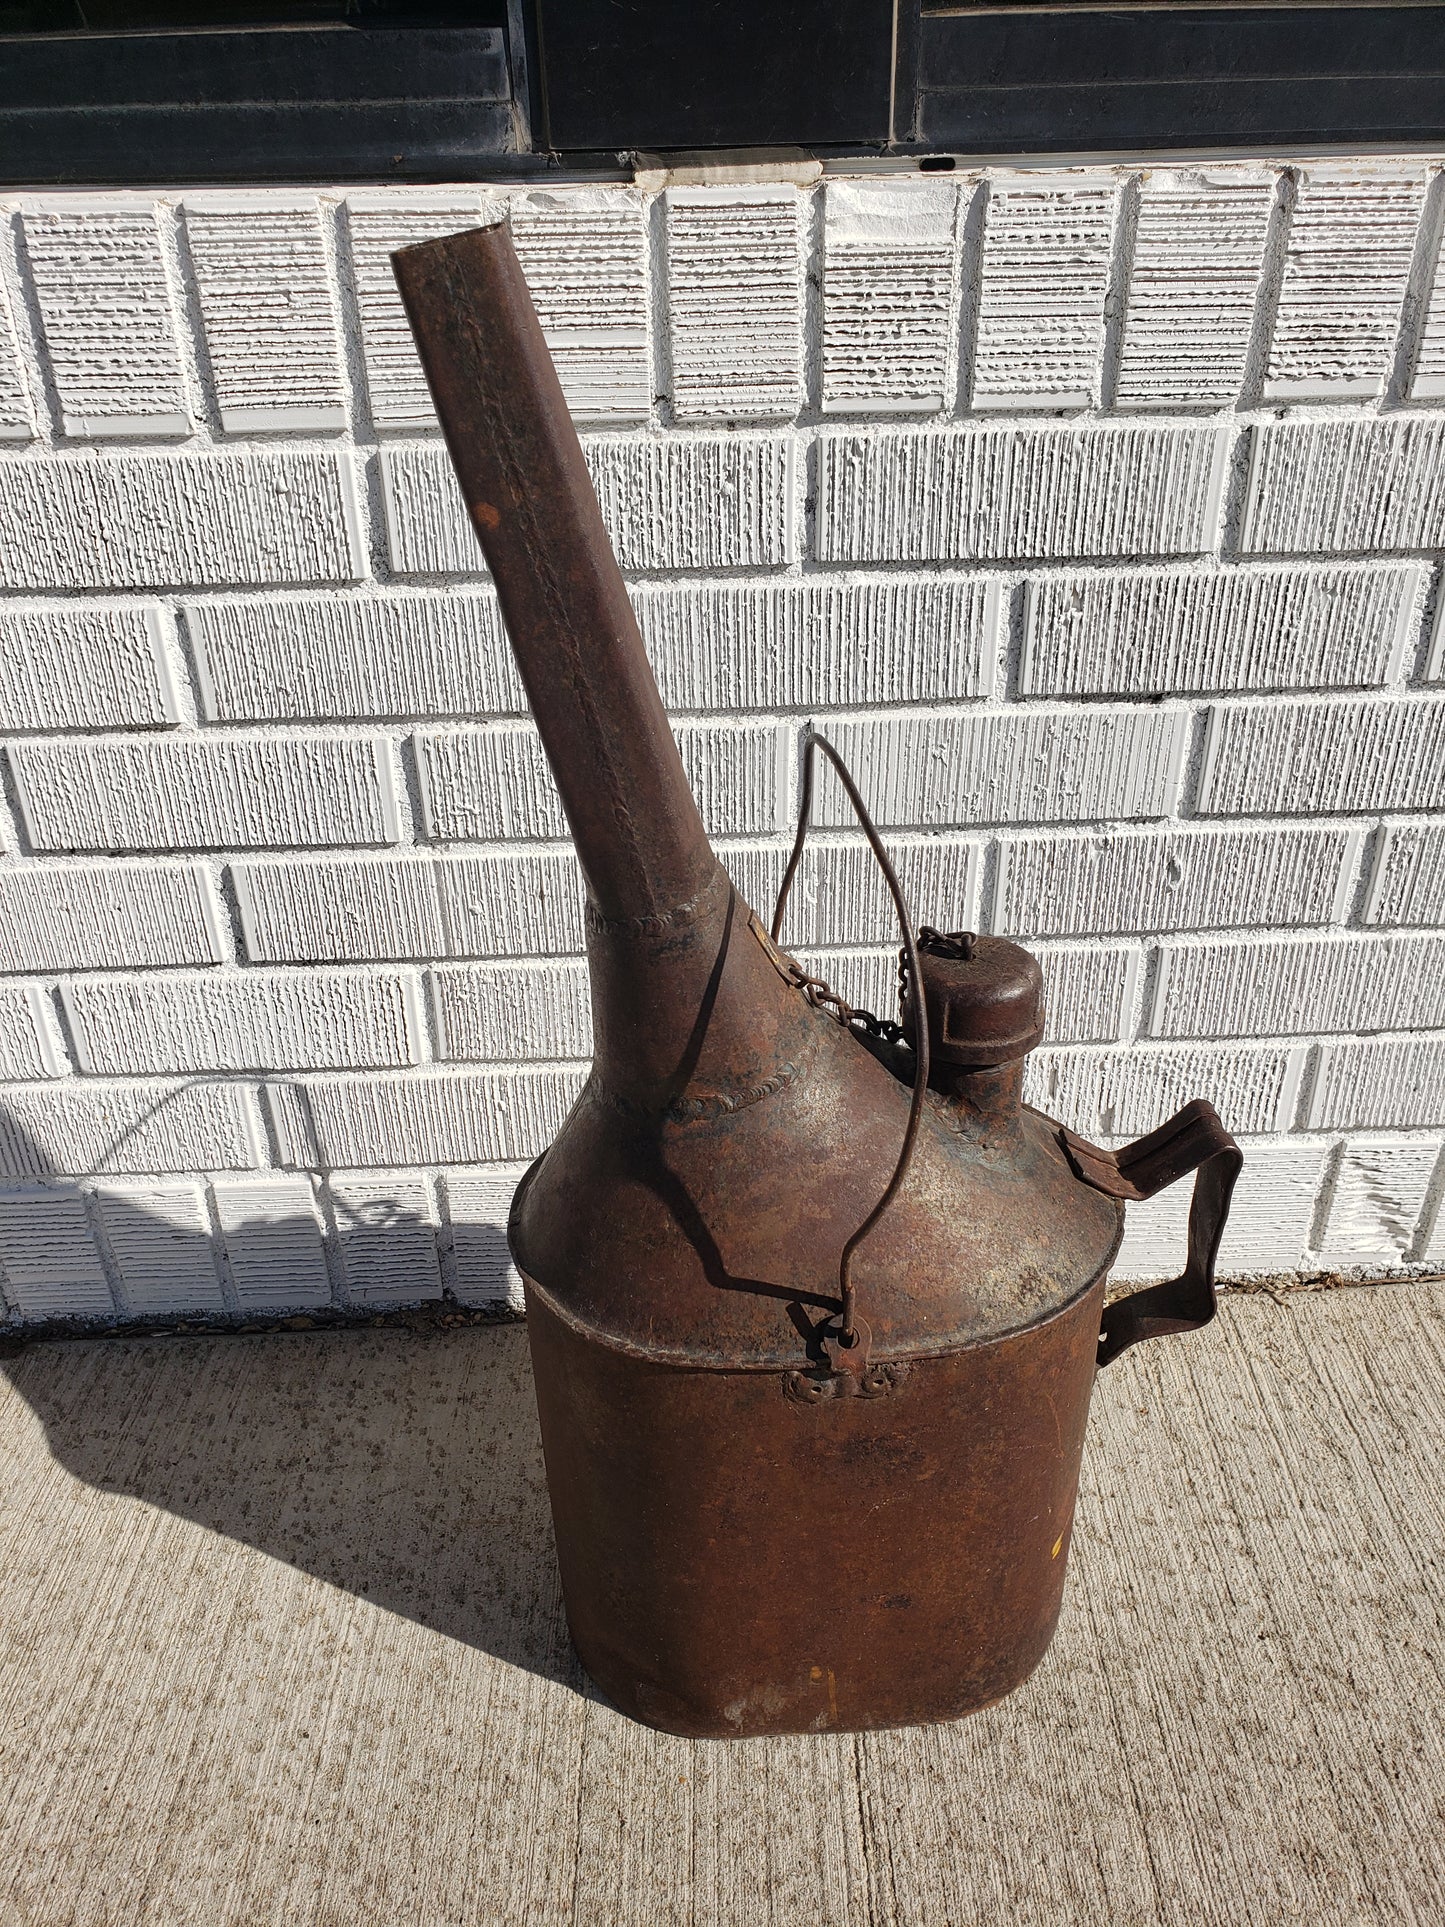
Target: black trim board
{"type": "Point", "coordinates": [1081, 79]}
{"type": "Point", "coordinates": [283, 103]}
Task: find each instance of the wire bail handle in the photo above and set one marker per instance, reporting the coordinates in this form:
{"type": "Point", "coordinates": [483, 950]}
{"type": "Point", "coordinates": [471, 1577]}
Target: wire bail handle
{"type": "Point", "coordinates": [848, 1332]}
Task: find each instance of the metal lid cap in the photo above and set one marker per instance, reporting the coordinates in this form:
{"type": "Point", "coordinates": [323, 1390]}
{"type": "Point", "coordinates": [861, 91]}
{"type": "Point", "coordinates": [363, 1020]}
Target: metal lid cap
{"type": "Point", "coordinates": [984, 998]}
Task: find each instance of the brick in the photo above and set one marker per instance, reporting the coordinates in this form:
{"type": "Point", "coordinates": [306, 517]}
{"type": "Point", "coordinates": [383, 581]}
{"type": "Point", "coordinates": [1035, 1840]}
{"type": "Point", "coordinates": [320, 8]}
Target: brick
{"type": "Point", "coordinates": [1198, 253]}
{"type": "Point", "coordinates": [1173, 631]}
{"type": "Point", "coordinates": [1377, 754]}
{"type": "Point", "coordinates": [735, 302]}
{"type": "Point", "coordinates": [1347, 486]}
{"type": "Point", "coordinates": [271, 1234]}
{"type": "Point", "coordinates": [160, 1239]}
{"type": "Point", "coordinates": [376, 225]}
{"type": "Point", "coordinates": [1122, 1093]}
{"type": "Point", "coordinates": [30, 1045]}
{"type": "Point", "coordinates": [82, 1128]}
{"type": "Point", "coordinates": [387, 1230]}
{"type": "Point", "coordinates": [1407, 879]}
{"type": "Point", "coordinates": [238, 1021]}
{"type": "Point", "coordinates": [1377, 1199]}
{"type": "Point", "coordinates": [1435, 659]}
{"type": "Point", "coordinates": [1297, 986]}
{"type": "Point", "coordinates": [478, 1202]}
{"type": "Point", "coordinates": [1045, 271]}
{"type": "Point", "coordinates": [583, 251]}
{"type": "Point", "coordinates": [108, 916]}
{"type": "Point", "coordinates": [86, 668]}
{"type": "Point", "coordinates": [1428, 375]}
{"type": "Point", "coordinates": [110, 334]}
{"type": "Point", "coordinates": [493, 1013]}
{"type": "Point", "coordinates": [1271, 1217]}
{"type": "Point", "coordinates": [439, 1117]}
{"type": "Point", "coordinates": [715, 502]}
{"type": "Point", "coordinates": [1087, 993]}
{"type": "Point", "coordinates": [17, 420]}
{"type": "Point", "coordinates": [321, 657]}
{"type": "Point", "coordinates": [185, 792]}
{"type": "Point", "coordinates": [1351, 242]}
{"type": "Point", "coordinates": [357, 910]}
{"type": "Point", "coordinates": [1153, 880]}
{"type": "Point", "coordinates": [1000, 494]}
{"type": "Point", "coordinates": [839, 896]}
{"type": "Point", "coordinates": [1000, 766]}
{"type": "Point", "coordinates": [272, 336]}
{"type": "Point", "coordinates": [179, 520]}
{"type": "Point", "coordinates": [1384, 1083]}
{"type": "Point", "coordinates": [821, 642]}
{"type": "Point", "coordinates": [494, 784]}
{"type": "Point", "coordinates": [49, 1263]}
{"type": "Point", "coordinates": [888, 279]}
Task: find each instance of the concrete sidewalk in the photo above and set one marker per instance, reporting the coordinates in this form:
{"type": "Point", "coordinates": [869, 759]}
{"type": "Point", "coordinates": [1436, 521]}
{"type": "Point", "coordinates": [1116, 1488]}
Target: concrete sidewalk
{"type": "Point", "coordinates": [282, 1643]}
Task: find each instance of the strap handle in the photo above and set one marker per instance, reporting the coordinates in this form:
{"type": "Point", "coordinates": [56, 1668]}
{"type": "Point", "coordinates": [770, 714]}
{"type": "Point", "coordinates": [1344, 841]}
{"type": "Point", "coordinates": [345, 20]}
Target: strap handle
{"type": "Point", "coordinates": [1192, 1140]}
{"type": "Point", "coordinates": [849, 1322]}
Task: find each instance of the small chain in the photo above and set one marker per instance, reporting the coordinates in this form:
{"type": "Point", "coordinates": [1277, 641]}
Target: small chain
{"type": "Point", "coordinates": [954, 944]}
{"type": "Point", "coordinates": [821, 997]}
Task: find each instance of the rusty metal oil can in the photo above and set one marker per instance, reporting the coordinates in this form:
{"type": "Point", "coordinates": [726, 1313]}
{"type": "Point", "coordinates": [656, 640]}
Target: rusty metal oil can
{"type": "Point", "coordinates": [815, 1302]}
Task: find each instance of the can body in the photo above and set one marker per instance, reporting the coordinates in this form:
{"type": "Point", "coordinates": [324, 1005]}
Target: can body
{"type": "Point", "coordinates": [738, 1561]}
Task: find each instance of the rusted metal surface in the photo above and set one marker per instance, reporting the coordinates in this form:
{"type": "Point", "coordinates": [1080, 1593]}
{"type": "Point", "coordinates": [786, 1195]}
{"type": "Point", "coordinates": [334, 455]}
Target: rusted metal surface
{"type": "Point", "coordinates": [778, 1509]}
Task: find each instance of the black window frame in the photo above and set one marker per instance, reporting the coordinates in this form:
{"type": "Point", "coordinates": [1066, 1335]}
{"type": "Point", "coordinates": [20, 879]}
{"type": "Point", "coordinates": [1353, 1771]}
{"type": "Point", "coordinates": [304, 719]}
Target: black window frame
{"type": "Point", "coordinates": [930, 79]}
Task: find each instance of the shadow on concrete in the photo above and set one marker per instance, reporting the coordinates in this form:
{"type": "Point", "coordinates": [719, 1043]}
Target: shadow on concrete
{"type": "Point", "coordinates": [401, 1465]}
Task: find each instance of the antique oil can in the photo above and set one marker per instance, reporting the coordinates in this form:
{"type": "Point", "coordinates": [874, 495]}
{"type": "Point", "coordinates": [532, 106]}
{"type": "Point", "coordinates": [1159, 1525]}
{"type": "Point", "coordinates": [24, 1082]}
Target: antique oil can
{"type": "Point", "coordinates": [815, 1302]}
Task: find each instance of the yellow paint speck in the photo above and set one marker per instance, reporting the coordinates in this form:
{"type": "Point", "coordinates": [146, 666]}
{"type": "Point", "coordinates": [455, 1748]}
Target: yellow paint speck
{"type": "Point", "coordinates": [817, 1673]}
{"type": "Point", "coordinates": [1058, 1547]}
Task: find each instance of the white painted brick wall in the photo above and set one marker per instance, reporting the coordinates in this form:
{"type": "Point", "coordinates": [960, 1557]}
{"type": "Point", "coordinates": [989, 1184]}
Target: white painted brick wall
{"type": "Point", "coordinates": [87, 666]}
{"type": "Point", "coordinates": [1028, 766]}
{"type": "Point", "coordinates": [242, 1021]}
{"type": "Point", "coordinates": [493, 785]}
{"type": "Point", "coordinates": [1047, 243]}
{"type": "Point", "coordinates": [49, 1263]}
{"type": "Point", "coordinates": [1350, 247]}
{"type": "Point", "coordinates": [888, 279]}
{"type": "Point", "coordinates": [271, 1233]}
{"type": "Point", "coordinates": [1407, 879]}
{"type": "Point", "coordinates": [1028, 493]}
{"type": "Point", "coordinates": [57, 916]}
{"type": "Point", "coordinates": [105, 304]}
{"type": "Point", "coordinates": [1175, 631]}
{"type": "Point", "coordinates": [272, 333]}
{"type": "Point", "coordinates": [1198, 252]}
{"type": "Point", "coordinates": [735, 302]}
{"type": "Point", "coordinates": [159, 1236]}
{"type": "Point", "coordinates": [1251, 986]}
{"type": "Point", "coordinates": [1157, 691]}
{"type": "Point", "coordinates": [30, 1046]}
{"type": "Point", "coordinates": [1375, 1203]}
{"type": "Point", "coordinates": [814, 642]}
{"type": "Point", "coordinates": [1271, 1217]}
{"type": "Point", "coordinates": [1345, 754]}
{"type": "Point", "coordinates": [188, 793]}
{"type": "Point", "coordinates": [178, 520]}
{"type": "Point", "coordinates": [17, 422]}
{"type": "Point", "coordinates": [332, 658]}
{"type": "Point", "coordinates": [697, 503]}
{"type": "Point", "coordinates": [1346, 485]}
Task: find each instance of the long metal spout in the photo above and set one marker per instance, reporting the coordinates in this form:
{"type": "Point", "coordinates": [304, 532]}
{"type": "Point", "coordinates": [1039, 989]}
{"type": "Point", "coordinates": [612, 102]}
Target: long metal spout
{"type": "Point", "coordinates": [638, 834]}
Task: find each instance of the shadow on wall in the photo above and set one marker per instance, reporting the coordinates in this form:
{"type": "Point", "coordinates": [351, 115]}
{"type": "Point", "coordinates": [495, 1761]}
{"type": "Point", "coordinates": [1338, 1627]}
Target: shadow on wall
{"type": "Point", "coordinates": [242, 1246]}
{"type": "Point", "coordinates": [402, 1465]}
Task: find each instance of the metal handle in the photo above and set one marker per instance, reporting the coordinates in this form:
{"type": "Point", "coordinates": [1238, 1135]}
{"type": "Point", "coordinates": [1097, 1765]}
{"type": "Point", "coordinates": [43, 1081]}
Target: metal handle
{"type": "Point", "coordinates": [1192, 1140]}
{"type": "Point", "coordinates": [848, 1320]}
